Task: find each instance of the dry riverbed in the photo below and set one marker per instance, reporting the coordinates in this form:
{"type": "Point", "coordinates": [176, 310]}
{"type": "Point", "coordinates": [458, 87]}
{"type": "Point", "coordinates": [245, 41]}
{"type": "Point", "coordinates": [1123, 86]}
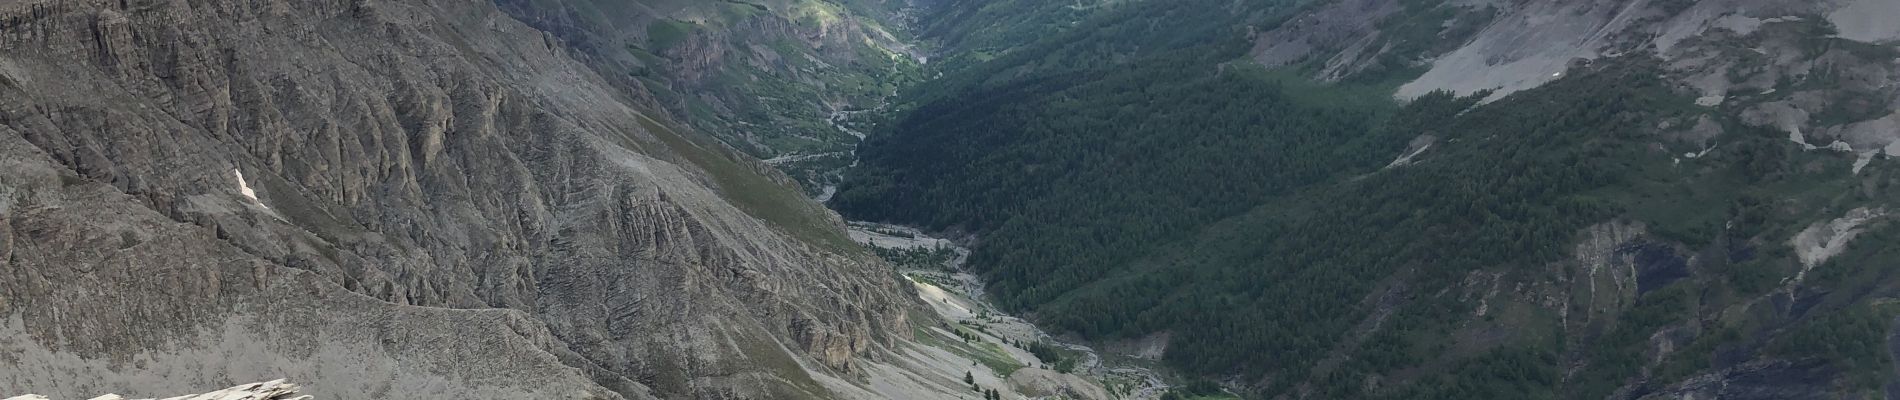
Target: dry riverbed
{"type": "Point", "coordinates": [996, 341]}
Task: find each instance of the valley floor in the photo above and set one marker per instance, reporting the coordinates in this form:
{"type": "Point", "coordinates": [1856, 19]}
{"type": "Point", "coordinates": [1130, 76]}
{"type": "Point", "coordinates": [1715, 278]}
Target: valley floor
{"type": "Point", "coordinates": [995, 351]}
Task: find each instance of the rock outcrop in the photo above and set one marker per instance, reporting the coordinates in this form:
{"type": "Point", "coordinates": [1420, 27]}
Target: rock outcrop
{"type": "Point", "coordinates": [433, 196]}
{"type": "Point", "coordinates": [272, 390]}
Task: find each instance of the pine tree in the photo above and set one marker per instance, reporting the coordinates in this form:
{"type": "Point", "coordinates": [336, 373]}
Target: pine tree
{"type": "Point", "coordinates": [969, 378]}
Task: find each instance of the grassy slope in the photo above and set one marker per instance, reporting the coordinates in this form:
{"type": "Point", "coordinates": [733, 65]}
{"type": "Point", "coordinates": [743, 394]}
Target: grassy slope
{"type": "Point", "coordinates": [777, 204]}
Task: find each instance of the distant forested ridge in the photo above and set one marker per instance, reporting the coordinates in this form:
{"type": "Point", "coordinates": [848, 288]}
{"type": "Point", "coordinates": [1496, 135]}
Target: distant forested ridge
{"type": "Point", "coordinates": [1135, 176]}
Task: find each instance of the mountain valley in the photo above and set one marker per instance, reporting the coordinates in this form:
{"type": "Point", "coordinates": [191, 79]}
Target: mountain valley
{"type": "Point", "coordinates": [951, 199]}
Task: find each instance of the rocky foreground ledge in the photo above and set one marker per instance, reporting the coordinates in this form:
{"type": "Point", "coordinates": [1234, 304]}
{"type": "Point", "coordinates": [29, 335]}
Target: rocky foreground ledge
{"type": "Point", "coordinates": [273, 390]}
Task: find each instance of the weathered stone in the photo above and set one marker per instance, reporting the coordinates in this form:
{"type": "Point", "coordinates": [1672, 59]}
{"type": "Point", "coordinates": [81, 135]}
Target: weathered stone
{"type": "Point", "coordinates": [272, 390]}
{"type": "Point", "coordinates": [439, 198]}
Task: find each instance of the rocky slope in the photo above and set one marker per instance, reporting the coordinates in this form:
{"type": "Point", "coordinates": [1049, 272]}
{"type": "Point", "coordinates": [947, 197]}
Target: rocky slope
{"type": "Point", "coordinates": [272, 390]}
{"type": "Point", "coordinates": [1820, 71]}
{"type": "Point", "coordinates": [382, 199]}
{"type": "Point", "coordinates": [765, 77]}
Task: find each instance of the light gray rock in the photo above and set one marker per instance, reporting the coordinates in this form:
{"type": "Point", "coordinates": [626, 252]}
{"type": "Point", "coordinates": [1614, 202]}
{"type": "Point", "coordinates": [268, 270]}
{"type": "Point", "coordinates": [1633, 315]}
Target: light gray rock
{"type": "Point", "coordinates": [272, 390]}
{"type": "Point", "coordinates": [434, 196]}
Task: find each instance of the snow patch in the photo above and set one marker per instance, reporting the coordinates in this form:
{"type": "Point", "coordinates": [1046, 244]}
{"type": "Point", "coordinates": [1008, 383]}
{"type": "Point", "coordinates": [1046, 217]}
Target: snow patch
{"type": "Point", "coordinates": [244, 188]}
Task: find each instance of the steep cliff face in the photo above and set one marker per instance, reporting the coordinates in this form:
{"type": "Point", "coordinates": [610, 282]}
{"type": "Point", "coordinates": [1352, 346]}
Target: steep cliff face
{"type": "Point", "coordinates": [272, 390]}
{"type": "Point", "coordinates": [371, 197]}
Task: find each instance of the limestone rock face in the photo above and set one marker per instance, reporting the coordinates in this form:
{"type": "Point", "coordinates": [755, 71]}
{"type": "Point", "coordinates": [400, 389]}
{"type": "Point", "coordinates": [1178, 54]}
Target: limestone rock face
{"type": "Point", "coordinates": [379, 197]}
{"type": "Point", "coordinates": [272, 390]}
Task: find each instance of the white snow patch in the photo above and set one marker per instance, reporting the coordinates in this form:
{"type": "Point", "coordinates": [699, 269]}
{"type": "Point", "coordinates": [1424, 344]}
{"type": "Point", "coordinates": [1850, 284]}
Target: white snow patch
{"type": "Point", "coordinates": [244, 188]}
